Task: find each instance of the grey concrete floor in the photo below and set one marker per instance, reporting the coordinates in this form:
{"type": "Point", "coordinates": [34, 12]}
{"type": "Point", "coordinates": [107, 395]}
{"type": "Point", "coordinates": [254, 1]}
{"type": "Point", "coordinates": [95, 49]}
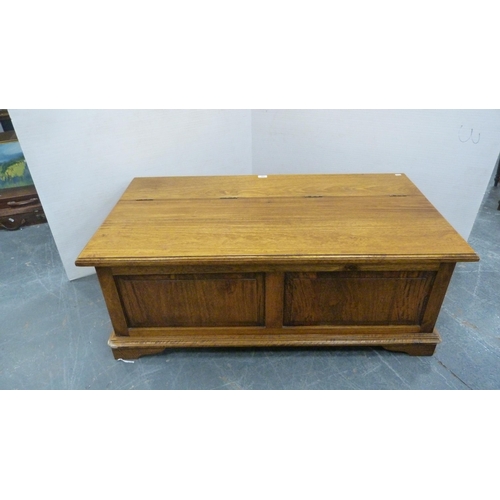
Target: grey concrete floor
{"type": "Point", "coordinates": [53, 334]}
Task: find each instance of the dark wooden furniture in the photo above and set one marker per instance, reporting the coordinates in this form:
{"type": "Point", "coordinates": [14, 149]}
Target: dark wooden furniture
{"type": "Point", "coordinates": [285, 260]}
{"type": "Point", "coordinates": [20, 207]}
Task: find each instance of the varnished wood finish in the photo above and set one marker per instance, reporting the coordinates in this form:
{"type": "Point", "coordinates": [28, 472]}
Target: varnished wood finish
{"type": "Point", "coordinates": [303, 260]}
{"type": "Point", "coordinates": [437, 295]}
{"type": "Point", "coordinates": [133, 347]}
{"type": "Point", "coordinates": [113, 302]}
{"type": "Point", "coordinates": [193, 299]}
{"type": "Point", "coordinates": [274, 300]}
{"type": "Point", "coordinates": [356, 298]}
{"type": "Point", "coordinates": [278, 219]}
{"type": "Point", "coordinates": [312, 332]}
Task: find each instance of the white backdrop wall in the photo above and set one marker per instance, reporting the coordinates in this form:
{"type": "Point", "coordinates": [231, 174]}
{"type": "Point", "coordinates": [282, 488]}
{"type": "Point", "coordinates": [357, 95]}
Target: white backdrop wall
{"type": "Point", "coordinates": [448, 154]}
{"type": "Point", "coordinates": [82, 160]}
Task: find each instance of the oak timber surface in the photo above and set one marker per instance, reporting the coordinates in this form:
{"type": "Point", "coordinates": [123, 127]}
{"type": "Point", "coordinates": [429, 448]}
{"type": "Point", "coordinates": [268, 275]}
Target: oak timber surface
{"type": "Point", "coordinates": [283, 218]}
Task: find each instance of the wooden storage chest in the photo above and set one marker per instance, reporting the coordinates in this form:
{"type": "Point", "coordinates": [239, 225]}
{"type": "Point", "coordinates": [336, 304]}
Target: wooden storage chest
{"type": "Point", "coordinates": [278, 260]}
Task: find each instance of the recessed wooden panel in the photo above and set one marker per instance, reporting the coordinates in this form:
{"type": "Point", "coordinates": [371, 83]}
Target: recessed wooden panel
{"type": "Point", "coordinates": [357, 298]}
{"type": "Point", "coordinates": [193, 300]}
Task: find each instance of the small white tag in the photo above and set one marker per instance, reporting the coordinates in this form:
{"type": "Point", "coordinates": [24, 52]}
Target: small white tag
{"type": "Point", "coordinates": [262, 176]}
{"type": "Point", "coordinates": [397, 175]}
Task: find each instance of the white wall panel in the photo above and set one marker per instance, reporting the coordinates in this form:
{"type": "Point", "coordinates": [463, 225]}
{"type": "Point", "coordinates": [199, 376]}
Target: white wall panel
{"type": "Point", "coordinates": [82, 160]}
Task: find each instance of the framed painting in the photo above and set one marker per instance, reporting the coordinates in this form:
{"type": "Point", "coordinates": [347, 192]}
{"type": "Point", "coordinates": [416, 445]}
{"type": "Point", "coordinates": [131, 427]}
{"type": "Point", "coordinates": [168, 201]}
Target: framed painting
{"type": "Point", "coordinates": [19, 202]}
{"type": "Point", "coordinates": [14, 171]}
